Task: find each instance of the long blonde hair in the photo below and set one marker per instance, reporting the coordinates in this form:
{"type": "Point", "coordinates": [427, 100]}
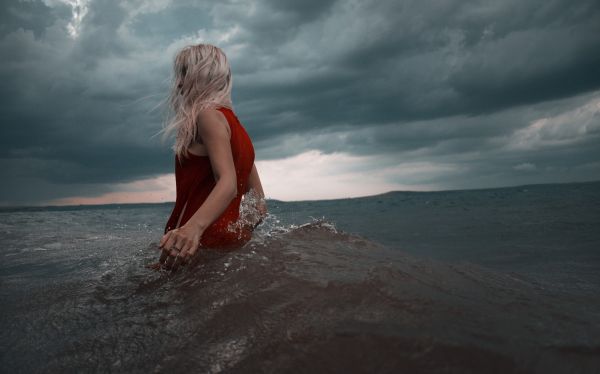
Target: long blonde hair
{"type": "Point", "coordinates": [202, 79]}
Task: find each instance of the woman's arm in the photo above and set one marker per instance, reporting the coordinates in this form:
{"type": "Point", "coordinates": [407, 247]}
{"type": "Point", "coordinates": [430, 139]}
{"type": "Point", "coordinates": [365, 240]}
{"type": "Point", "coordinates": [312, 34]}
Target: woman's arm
{"type": "Point", "coordinates": [215, 133]}
{"type": "Point", "coordinates": [255, 184]}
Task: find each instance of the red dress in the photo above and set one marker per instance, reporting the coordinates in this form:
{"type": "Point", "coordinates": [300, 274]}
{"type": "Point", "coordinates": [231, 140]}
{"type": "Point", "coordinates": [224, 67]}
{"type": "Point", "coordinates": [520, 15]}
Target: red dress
{"type": "Point", "coordinates": [194, 181]}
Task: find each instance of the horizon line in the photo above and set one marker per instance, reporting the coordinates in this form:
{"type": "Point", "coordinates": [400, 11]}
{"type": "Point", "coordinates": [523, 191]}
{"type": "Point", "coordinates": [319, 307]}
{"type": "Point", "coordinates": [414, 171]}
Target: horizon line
{"type": "Point", "coordinates": [8, 207]}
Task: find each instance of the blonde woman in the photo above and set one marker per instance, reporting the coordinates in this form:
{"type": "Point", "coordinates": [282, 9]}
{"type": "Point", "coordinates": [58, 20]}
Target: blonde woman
{"type": "Point", "coordinates": [214, 160]}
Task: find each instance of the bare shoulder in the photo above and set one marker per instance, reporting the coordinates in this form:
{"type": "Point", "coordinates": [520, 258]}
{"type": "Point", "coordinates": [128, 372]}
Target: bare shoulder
{"type": "Point", "coordinates": [211, 121]}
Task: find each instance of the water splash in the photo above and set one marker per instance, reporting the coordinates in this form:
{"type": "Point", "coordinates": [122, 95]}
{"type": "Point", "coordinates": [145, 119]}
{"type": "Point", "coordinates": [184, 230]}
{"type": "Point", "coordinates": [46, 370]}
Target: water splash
{"type": "Point", "coordinates": [252, 212]}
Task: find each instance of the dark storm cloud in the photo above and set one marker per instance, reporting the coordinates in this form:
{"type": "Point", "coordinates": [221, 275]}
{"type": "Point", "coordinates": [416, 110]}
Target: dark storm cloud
{"type": "Point", "coordinates": [29, 15]}
{"type": "Point", "coordinates": [415, 60]}
{"type": "Point", "coordinates": [413, 81]}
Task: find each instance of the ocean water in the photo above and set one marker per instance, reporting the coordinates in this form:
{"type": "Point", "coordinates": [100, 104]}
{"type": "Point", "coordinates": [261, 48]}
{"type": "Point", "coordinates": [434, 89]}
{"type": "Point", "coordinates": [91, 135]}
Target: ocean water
{"type": "Point", "coordinates": [476, 281]}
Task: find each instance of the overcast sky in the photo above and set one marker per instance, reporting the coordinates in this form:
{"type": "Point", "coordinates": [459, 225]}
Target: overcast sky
{"type": "Point", "coordinates": [341, 98]}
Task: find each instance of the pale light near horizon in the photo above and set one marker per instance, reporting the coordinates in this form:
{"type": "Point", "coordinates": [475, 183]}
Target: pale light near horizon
{"type": "Point", "coordinates": [311, 175]}
{"type": "Point", "coordinates": [314, 175]}
{"type": "Point", "coordinates": [151, 190]}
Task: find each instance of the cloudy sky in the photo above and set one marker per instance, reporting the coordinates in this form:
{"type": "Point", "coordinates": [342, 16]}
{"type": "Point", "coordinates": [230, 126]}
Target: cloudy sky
{"type": "Point", "coordinates": [341, 98]}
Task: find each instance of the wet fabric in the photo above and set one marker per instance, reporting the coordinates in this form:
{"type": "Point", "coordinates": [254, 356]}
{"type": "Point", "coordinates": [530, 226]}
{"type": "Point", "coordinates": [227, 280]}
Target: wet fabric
{"type": "Point", "coordinates": [195, 180]}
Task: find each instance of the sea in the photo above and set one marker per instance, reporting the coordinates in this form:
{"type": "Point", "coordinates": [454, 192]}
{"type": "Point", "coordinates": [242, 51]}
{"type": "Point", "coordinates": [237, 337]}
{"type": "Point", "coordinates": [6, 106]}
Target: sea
{"type": "Point", "coordinates": [503, 280]}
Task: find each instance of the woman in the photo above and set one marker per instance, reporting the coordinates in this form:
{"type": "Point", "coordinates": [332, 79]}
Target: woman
{"type": "Point", "coordinates": [214, 160]}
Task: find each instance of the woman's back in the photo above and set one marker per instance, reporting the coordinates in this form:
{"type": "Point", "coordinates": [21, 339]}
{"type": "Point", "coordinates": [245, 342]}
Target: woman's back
{"type": "Point", "coordinates": [195, 180]}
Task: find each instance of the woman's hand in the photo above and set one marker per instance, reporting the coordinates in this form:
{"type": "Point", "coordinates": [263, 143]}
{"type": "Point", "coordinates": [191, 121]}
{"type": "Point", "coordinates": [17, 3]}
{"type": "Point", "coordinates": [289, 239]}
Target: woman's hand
{"type": "Point", "coordinates": [179, 245]}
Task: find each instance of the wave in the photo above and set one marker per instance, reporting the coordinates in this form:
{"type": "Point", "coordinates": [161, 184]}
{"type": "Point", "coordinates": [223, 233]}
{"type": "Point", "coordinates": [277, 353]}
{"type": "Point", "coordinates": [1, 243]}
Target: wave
{"type": "Point", "coordinates": [301, 298]}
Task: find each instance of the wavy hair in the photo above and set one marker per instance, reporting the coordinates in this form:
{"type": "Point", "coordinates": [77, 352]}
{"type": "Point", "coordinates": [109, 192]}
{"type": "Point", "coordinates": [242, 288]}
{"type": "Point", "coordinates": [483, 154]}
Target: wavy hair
{"type": "Point", "coordinates": [201, 79]}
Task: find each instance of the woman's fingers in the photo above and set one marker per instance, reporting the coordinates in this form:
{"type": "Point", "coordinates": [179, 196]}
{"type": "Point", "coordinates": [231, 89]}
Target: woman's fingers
{"type": "Point", "coordinates": [179, 259]}
{"type": "Point", "coordinates": [163, 256]}
{"type": "Point", "coordinates": [170, 238]}
{"type": "Point", "coordinates": [169, 262]}
{"type": "Point", "coordinates": [177, 249]}
{"type": "Point", "coordinates": [193, 249]}
{"type": "Point", "coordinates": [184, 256]}
{"type": "Point", "coordinates": [169, 242]}
{"type": "Point", "coordinates": [164, 239]}
{"type": "Point", "coordinates": [169, 249]}
{"type": "Point", "coordinates": [175, 253]}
